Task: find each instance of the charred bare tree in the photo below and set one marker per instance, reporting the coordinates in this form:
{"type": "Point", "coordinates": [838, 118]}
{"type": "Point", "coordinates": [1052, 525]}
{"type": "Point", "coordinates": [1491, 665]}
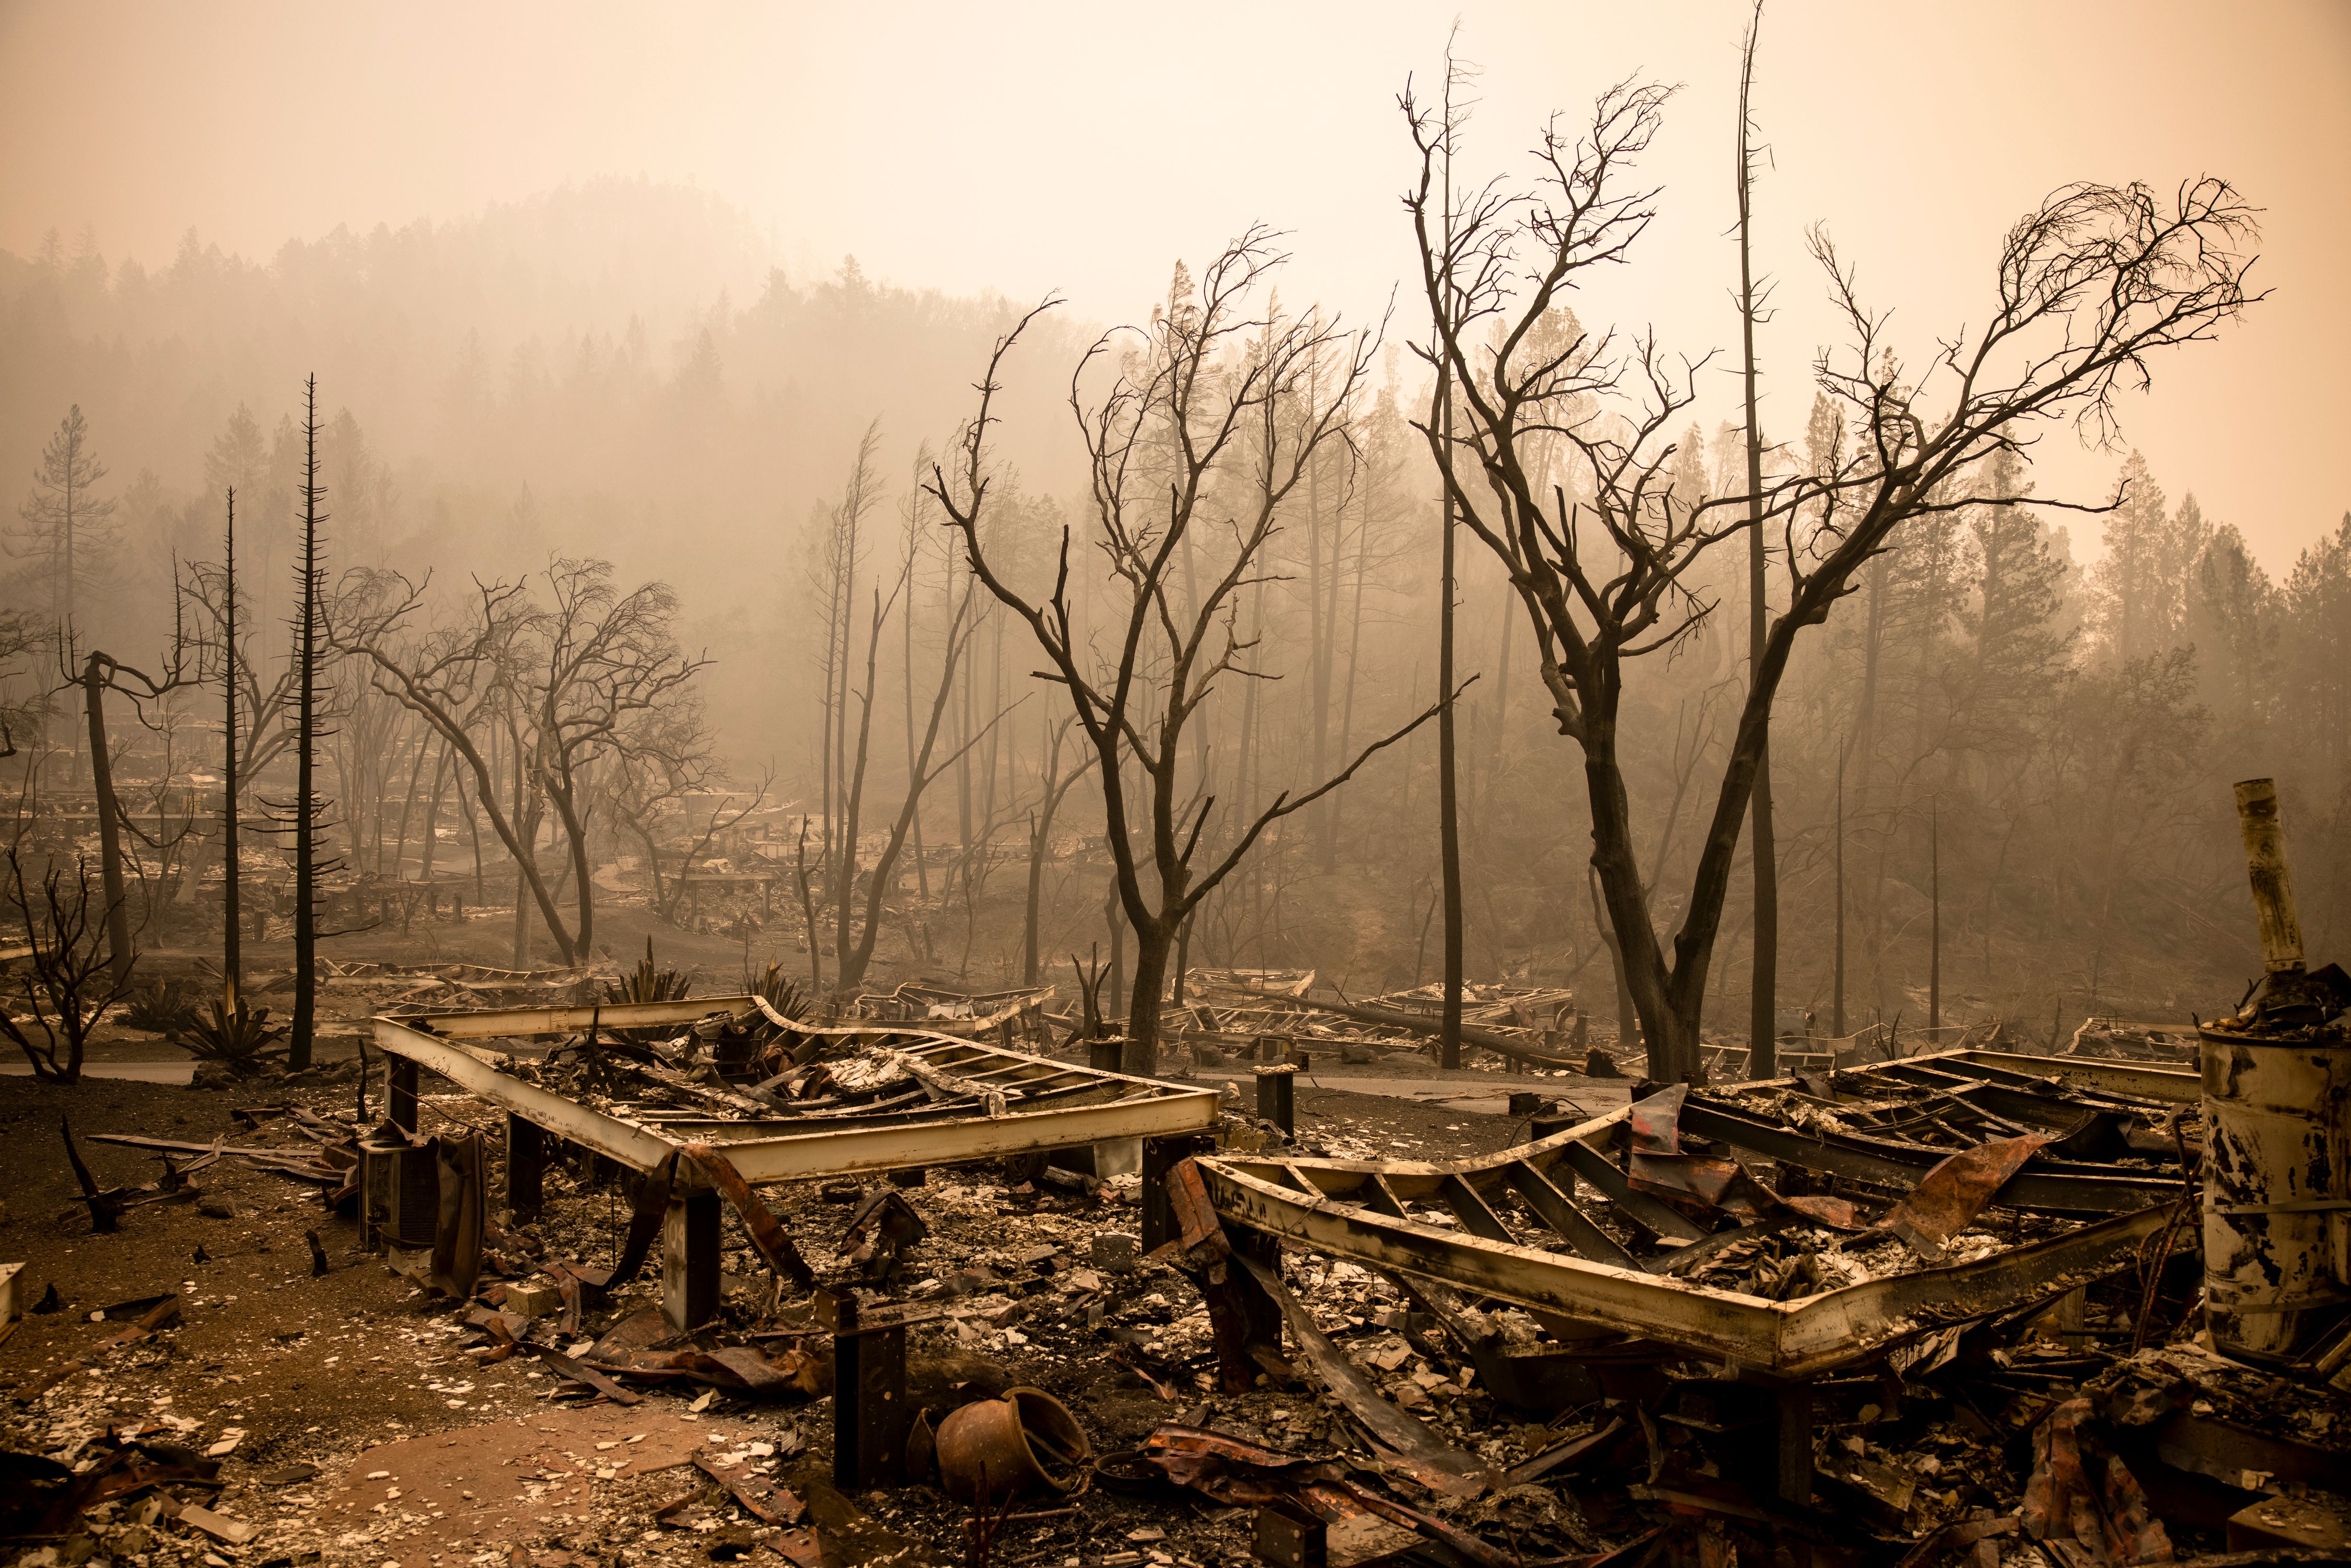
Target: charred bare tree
{"type": "Point", "coordinates": [1232, 387]}
{"type": "Point", "coordinates": [70, 977]}
{"type": "Point", "coordinates": [1449, 770]}
{"type": "Point", "coordinates": [232, 929]}
{"type": "Point", "coordinates": [1053, 785]}
{"type": "Point", "coordinates": [101, 673]}
{"type": "Point", "coordinates": [2089, 285]}
{"type": "Point", "coordinates": [603, 658]}
{"type": "Point", "coordinates": [572, 681]}
{"type": "Point", "coordinates": [853, 945]}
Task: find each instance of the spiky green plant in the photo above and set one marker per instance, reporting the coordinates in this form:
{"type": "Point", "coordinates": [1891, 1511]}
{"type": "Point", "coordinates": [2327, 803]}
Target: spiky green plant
{"type": "Point", "coordinates": [648, 982]}
{"type": "Point", "coordinates": [161, 1007]}
{"type": "Point", "coordinates": [778, 989]}
{"type": "Point", "coordinates": [238, 1036]}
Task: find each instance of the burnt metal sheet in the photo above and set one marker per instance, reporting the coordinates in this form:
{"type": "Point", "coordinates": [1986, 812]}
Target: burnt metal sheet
{"type": "Point", "coordinates": [1430, 1460]}
{"type": "Point", "coordinates": [1948, 1198]}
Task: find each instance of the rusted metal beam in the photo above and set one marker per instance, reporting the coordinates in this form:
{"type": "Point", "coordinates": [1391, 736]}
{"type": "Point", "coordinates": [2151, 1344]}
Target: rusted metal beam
{"type": "Point", "coordinates": [508, 1023]}
{"type": "Point", "coordinates": [477, 1073]}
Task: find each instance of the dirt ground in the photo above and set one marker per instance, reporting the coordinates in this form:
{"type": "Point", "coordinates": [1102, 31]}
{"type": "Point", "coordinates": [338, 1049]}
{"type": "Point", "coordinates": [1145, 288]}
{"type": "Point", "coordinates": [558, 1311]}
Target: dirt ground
{"type": "Point", "coordinates": [426, 1458]}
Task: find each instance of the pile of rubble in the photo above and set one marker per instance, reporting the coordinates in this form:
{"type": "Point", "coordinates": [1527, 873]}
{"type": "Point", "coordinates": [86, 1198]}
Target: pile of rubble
{"type": "Point", "coordinates": [920, 1299]}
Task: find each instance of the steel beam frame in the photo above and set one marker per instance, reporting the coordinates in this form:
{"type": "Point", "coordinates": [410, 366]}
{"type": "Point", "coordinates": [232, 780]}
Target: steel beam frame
{"type": "Point", "coordinates": [1354, 1209]}
{"type": "Point", "coordinates": [783, 1148]}
{"type": "Point", "coordinates": [1791, 1339]}
{"type": "Point", "coordinates": [1072, 1106]}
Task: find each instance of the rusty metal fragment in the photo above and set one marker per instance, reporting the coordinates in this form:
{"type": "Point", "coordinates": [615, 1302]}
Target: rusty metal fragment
{"type": "Point", "coordinates": [581, 1372]}
{"type": "Point", "coordinates": [761, 1499]}
{"type": "Point", "coordinates": [1242, 1473]}
{"type": "Point", "coordinates": [1948, 1198]}
{"type": "Point", "coordinates": [2081, 1494]}
{"type": "Point", "coordinates": [881, 1231]}
{"type": "Point", "coordinates": [767, 1233]}
{"type": "Point", "coordinates": [645, 1220]}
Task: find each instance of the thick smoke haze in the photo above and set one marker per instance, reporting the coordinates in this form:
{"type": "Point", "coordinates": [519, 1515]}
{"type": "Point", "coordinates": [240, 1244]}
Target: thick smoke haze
{"type": "Point", "coordinates": [1082, 149]}
{"type": "Point", "coordinates": [704, 294]}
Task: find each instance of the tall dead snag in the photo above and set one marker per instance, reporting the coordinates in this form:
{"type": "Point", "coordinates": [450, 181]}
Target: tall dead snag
{"type": "Point", "coordinates": [1763, 1011]}
{"type": "Point", "coordinates": [1449, 770]}
{"type": "Point", "coordinates": [2089, 285]}
{"type": "Point", "coordinates": [1219, 391]}
{"type": "Point", "coordinates": [307, 805]}
{"type": "Point", "coordinates": [257, 725]}
{"type": "Point", "coordinates": [232, 933]}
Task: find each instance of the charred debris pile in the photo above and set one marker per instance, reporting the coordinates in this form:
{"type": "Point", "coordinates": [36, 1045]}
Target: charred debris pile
{"type": "Point", "coordinates": [1003, 1306]}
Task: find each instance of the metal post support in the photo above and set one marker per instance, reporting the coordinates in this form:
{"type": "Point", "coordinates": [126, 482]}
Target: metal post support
{"type": "Point", "coordinates": [1242, 1317]}
{"type": "Point", "coordinates": [1794, 1408]}
{"type": "Point", "coordinates": [1161, 1155]}
{"type": "Point", "coordinates": [399, 1093]}
{"type": "Point", "coordinates": [1276, 1099]}
{"type": "Point", "coordinates": [525, 1165]}
{"type": "Point", "coordinates": [1290, 1538]}
{"type": "Point", "coordinates": [868, 1395]}
{"type": "Point", "coordinates": [690, 1264]}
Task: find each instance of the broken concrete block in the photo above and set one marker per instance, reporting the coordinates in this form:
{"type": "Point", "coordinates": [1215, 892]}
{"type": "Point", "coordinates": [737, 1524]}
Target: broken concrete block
{"type": "Point", "coordinates": [533, 1298]}
{"type": "Point", "coordinates": [1116, 1252]}
{"type": "Point", "coordinates": [219, 1526]}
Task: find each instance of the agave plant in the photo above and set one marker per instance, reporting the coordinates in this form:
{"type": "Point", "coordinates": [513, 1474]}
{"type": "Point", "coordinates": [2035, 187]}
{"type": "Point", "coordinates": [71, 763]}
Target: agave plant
{"type": "Point", "coordinates": [161, 1007]}
{"type": "Point", "coordinates": [778, 989]}
{"type": "Point", "coordinates": [236, 1036]}
{"type": "Point", "coordinates": [649, 983]}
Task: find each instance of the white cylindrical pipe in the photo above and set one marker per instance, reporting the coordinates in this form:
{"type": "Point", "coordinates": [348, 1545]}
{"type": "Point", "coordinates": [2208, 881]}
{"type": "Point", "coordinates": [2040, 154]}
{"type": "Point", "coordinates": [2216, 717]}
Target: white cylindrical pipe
{"type": "Point", "coordinates": [2264, 835]}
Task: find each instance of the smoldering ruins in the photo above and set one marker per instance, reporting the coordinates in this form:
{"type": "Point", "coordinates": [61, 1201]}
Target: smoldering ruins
{"type": "Point", "coordinates": [667, 904]}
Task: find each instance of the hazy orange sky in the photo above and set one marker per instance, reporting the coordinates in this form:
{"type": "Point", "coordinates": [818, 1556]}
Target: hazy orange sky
{"type": "Point", "coordinates": [1034, 147]}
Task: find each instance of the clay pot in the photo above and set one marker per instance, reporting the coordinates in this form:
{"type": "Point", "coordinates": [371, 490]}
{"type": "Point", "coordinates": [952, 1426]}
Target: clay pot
{"type": "Point", "coordinates": [997, 1448]}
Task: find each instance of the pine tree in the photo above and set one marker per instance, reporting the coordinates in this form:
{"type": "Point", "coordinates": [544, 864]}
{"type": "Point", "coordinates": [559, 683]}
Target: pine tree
{"type": "Point", "coordinates": [64, 527]}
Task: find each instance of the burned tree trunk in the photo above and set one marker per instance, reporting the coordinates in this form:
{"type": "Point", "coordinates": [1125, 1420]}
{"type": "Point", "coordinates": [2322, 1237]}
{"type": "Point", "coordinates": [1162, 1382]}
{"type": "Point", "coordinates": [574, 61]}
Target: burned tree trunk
{"type": "Point", "coordinates": [299, 1037]}
{"type": "Point", "coordinates": [119, 952]}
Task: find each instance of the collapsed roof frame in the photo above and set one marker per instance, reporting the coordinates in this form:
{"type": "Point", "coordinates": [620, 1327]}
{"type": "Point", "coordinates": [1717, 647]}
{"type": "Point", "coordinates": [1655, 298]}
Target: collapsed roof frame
{"type": "Point", "coordinates": [1357, 1210]}
{"type": "Point", "coordinates": [1073, 1106]}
